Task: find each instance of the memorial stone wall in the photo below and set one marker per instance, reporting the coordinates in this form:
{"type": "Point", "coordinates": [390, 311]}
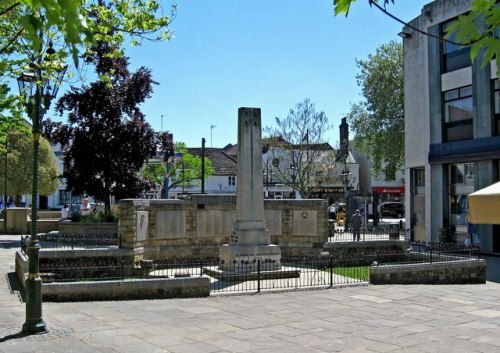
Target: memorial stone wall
{"type": "Point", "coordinates": [196, 227]}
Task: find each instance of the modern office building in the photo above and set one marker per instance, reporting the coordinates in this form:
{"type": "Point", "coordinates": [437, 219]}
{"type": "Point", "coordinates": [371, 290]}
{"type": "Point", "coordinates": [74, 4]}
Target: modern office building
{"type": "Point", "coordinates": [452, 128]}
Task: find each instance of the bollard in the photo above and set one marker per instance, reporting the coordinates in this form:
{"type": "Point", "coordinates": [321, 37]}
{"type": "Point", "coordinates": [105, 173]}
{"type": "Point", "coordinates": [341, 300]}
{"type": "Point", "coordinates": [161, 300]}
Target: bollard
{"type": "Point", "coordinates": [258, 276]}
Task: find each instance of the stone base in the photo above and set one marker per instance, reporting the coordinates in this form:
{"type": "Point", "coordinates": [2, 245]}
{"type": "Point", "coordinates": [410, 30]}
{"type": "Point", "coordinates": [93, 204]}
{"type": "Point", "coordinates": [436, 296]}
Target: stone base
{"type": "Point", "coordinates": [238, 257]}
{"type": "Point", "coordinates": [224, 275]}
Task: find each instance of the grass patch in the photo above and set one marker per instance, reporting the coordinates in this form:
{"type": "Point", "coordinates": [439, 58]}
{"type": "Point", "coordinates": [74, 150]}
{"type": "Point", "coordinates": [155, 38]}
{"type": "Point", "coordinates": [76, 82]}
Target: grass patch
{"type": "Point", "coordinates": [358, 272]}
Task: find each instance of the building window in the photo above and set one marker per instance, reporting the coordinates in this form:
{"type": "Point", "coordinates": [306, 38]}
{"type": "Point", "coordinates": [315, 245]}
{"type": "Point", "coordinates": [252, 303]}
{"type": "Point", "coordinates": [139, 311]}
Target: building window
{"type": "Point", "coordinates": [458, 114]}
{"type": "Point", "coordinates": [496, 98]}
{"type": "Point", "coordinates": [390, 173]}
{"type": "Point", "coordinates": [461, 184]}
{"type": "Point", "coordinates": [419, 181]}
{"type": "Point", "coordinates": [454, 56]}
{"type": "Point", "coordinates": [64, 197]}
{"type": "Point", "coordinates": [231, 180]}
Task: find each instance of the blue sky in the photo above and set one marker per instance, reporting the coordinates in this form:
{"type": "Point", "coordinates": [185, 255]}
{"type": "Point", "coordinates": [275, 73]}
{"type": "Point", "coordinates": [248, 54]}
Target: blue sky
{"type": "Point", "coordinates": [228, 54]}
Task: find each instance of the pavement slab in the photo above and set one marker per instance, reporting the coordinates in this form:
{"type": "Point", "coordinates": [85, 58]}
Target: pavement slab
{"type": "Point", "coordinates": [358, 319]}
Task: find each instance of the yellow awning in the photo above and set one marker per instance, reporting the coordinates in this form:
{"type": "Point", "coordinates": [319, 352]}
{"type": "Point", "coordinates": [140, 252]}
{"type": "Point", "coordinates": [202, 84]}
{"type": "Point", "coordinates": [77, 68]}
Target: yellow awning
{"type": "Point", "coordinates": [484, 205]}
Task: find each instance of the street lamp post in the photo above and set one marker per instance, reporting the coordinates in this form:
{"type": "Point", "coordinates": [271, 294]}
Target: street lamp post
{"type": "Point", "coordinates": [293, 174]}
{"type": "Point", "coordinates": [5, 186]}
{"type": "Point", "coordinates": [38, 88]}
{"type": "Point", "coordinates": [267, 174]}
{"type": "Point", "coordinates": [345, 176]}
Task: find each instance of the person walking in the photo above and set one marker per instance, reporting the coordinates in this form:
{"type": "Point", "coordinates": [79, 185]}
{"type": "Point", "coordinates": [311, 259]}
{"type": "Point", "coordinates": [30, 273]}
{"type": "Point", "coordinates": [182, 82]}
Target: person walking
{"type": "Point", "coordinates": [356, 223]}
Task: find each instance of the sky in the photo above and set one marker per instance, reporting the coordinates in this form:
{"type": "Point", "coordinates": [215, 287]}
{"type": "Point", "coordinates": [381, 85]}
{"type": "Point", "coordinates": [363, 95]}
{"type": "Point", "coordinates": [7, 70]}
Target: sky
{"type": "Point", "coordinates": [227, 54]}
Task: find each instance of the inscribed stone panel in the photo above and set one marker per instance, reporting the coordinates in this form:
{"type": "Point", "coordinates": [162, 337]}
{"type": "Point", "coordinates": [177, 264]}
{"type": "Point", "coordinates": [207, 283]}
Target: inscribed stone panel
{"type": "Point", "coordinates": [142, 223]}
{"type": "Point", "coordinates": [215, 223]}
{"type": "Point", "coordinates": [274, 221]}
{"type": "Point", "coordinates": [171, 224]}
{"type": "Point", "coordinates": [305, 222]}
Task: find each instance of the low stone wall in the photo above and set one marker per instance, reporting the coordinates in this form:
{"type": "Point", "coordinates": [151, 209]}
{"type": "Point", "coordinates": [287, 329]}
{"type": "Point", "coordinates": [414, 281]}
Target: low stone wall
{"type": "Point", "coordinates": [358, 250]}
{"type": "Point", "coordinates": [197, 227]}
{"type": "Point", "coordinates": [150, 288]}
{"type": "Point", "coordinates": [450, 272]}
{"type": "Point", "coordinates": [161, 288]}
{"type": "Point", "coordinates": [65, 258]}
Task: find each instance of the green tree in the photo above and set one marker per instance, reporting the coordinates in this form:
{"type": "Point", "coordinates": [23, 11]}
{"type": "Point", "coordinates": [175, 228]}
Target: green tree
{"type": "Point", "coordinates": [20, 166]}
{"type": "Point", "coordinates": [107, 140]}
{"type": "Point", "coordinates": [186, 171]}
{"type": "Point", "coordinates": [29, 27]}
{"type": "Point", "coordinates": [477, 29]}
{"type": "Point", "coordinates": [154, 173]}
{"type": "Point", "coordinates": [10, 116]}
{"type": "Point", "coordinates": [77, 25]}
{"type": "Point", "coordinates": [378, 120]}
{"type": "Point", "coordinates": [297, 149]}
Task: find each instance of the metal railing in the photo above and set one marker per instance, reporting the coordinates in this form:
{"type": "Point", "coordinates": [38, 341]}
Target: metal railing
{"type": "Point", "coordinates": [366, 234]}
{"type": "Point", "coordinates": [256, 276]}
{"type": "Point", "coordinates": [224, 278]}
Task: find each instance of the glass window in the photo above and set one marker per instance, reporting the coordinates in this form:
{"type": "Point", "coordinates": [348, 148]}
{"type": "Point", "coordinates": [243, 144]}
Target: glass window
{"type": "Point", "coordinates": [454, 56]}
{"type": "Point", "coordinates": [457, 174]}
{"type": "Point", "coordinates": [419, 181]}
{"type": "Point", "coordinates": [458, 114]}
{"type": "Point", "coordinates": [496, 98]}
{"type": "Point", "coordinates": [231, 180]}
{"type": "Point", "coordinates": [64, 197]}
{"type": "Point", "coordinates": [420, 177]}
{"type": "Point", "coordinates": [461, 184]}
{"type": "Point", "coordinates": [458, 104]}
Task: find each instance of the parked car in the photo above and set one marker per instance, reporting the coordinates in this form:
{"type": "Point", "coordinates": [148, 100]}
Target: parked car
{"type": "Point", "coordinates": [392, 209]}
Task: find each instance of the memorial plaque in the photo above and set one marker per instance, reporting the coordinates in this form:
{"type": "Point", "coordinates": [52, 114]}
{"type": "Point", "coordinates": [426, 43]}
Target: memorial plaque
{"type": "Point", "coordinates": [305, 223]}
{"type": "Point", "coordinates": [274, 221]}
{"type": "Point", "coordinates": [215, 223]}
{"type": "Point", "coordinates": [141, 225]}
{"type": "Point", "coordinates": [171, 224]}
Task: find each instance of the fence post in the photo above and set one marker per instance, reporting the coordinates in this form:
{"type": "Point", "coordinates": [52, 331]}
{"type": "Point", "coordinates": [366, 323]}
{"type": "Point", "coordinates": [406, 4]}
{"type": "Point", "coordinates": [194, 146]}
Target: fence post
{"type": "Point", "coordinates": [431, 252]}
{"type": "Point", "coordinates": [258, 276]}
{"type": "Point", "coordinates": [72, 240]}
{"type": "Point", "coordinates": [123, 270]}
{"type": "Point", "coordinates": [201, 267]}
{"type": "Point", "coordinates": [331, 271]}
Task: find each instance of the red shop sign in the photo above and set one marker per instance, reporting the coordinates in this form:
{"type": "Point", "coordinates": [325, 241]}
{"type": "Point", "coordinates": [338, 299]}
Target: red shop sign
{"type": "Point", "coordinates": [388, 190]}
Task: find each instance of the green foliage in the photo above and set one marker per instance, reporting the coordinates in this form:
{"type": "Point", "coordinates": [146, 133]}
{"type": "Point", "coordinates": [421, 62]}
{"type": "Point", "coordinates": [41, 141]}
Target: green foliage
{"type": "Point", "coordinates": [10, 116]}
{"type": "Point", "coordinates": [75, 26]}
{"type": "Point", "coordinates": [186, 171]}
{"type": "Point", "coordinates": [20, 166]}
{"type": "Point", "coordinates": [96, 217]}
{"type": "Point", "coordinates": [378, 120]}
{"type": "Point", "coordinates": [154, 172]}
{"type": "Point", "coordinates": [343, 6]}
{"type": "Point", "coordinates": [479, 29]}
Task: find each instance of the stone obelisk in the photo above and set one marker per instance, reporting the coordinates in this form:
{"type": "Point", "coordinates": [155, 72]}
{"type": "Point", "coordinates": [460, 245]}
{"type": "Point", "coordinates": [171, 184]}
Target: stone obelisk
{"type": "Point", "coordinates": [250, 239]}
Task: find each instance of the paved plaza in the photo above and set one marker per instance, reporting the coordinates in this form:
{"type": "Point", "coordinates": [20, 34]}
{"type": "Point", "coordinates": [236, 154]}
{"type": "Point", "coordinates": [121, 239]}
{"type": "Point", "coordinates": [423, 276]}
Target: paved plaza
{"type": "Point", "coordinates": [455, 318]}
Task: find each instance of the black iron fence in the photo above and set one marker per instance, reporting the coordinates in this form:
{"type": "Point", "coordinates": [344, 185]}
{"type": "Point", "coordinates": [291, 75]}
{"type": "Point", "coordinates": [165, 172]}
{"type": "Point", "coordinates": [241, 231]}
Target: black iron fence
{"type": "Point", "coordinates": [225, 278]}
{"type": "Point", "coordinates": [340, 234]}
{"type": "Point", "coordinates": [255, 276]}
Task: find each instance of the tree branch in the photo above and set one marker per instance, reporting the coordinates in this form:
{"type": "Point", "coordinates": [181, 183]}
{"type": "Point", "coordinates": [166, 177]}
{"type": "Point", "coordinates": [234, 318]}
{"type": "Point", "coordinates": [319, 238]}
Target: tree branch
{"type": "Point", "coordinates": [11, 41]}
{"type": "Point", "coordinates": [11, 7]}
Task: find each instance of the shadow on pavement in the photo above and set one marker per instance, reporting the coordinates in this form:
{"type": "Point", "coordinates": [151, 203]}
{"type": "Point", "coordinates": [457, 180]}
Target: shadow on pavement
{"type": "Point", "coordinates": [15, 285]}
{"type": "Point", "coordinates": [492, 268]}
{"type": "Point", "coordinates": [10, 244]}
